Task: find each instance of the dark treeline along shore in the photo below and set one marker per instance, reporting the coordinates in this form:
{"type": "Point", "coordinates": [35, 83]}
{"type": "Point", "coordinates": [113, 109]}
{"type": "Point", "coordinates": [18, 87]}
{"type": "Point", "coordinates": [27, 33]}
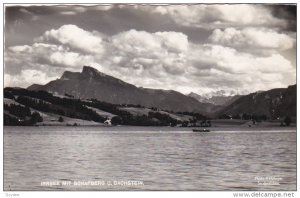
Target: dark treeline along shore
{"type": "Point", "coordinates": [24, 108]}
{"type": "Point", "coordinates": [72, 100]}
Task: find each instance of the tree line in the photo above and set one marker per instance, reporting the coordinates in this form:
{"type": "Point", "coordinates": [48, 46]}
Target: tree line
{"type": "Point", "coordinates": [76, 108]}
{"type": "Point", "coordinates": [17, 115]}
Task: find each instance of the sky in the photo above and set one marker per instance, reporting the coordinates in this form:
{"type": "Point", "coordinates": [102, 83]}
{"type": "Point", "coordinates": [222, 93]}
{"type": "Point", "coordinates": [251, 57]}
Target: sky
{"type": "Point", "coordinates": [200, 48]}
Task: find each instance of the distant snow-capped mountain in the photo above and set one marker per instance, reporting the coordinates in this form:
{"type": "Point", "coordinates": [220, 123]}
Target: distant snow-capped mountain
{"type": "Point", "coordinates": [217, 98]}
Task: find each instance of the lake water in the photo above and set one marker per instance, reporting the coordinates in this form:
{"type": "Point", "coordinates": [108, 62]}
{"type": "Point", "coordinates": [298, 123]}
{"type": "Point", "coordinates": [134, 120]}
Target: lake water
{"type": "Point", "coordinates": [155, 158]}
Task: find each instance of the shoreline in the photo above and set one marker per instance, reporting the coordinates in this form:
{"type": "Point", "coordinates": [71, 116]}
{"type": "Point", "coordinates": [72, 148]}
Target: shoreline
{"type": "Point", "coordinates": [294, 127]}
{"type": "Point", "coordinates": [219, 123]}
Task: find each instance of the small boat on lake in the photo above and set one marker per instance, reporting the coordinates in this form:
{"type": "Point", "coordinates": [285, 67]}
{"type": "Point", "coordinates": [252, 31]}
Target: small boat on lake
{"type": "Point", "coordinates": [201, 130]}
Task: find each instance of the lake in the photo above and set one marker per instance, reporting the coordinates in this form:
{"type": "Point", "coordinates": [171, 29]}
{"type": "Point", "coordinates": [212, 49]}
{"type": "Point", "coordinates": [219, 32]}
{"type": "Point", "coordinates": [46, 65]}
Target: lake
{"type": "Point", "coordinates": [149, 158]}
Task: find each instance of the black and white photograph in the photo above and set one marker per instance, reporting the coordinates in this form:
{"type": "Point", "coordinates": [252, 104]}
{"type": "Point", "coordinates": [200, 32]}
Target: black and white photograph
{"type": "Point", "coordinates": [150, 97]}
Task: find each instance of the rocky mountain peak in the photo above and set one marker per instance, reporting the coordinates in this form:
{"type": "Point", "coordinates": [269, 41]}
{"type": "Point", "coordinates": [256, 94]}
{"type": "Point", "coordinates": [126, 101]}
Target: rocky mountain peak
{"type": "Point", "coordinates": [67, 75]}
{"type": "Point", "coordinates": [86, 73]}
{"type": "Point", "coordinates": [92, 72]}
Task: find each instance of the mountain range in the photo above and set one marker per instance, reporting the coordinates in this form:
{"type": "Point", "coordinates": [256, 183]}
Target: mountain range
{"type": "Point", "coordinates": [92, 84]}
{"type": "Point", "coordinates": [274, 103]}
{"type": "Point", "coordinates": [219, 99]}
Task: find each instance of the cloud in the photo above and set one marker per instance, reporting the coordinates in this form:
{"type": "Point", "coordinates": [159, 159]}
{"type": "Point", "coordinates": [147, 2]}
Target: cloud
{"type": "Point", "coordinates": [26, 78]}
{"type": "Point", "coordinates": [252, 38]}
{"type": "Point", "coordinates": [70, 9]}
{"type": "Point", "coordinates": [103, 7]}
{"type": "Point", "coordinates": [74, 37]}
{"type": "Point", "coordinates": [29, 14]}
{"type": "Point", "coordinates": [68, 13]}
{"type": "Point", "coordinates": [142, 42]}
{"type": "Point", "coordinates": [191, 66]}
{"type": "Point", "coordinates": [23, 10]}
{"type": "Point", "coordinates": [163, 60]}
{"type": "Point", "coordinates": [174, 41]}
{"type": "Point", "coordinates": [219, 16]}
{"type": "Point", "coordinates": [68, 59]}
{"type": "Point", "coordinates": [232, 61]}
{"type": "Point", "coordinates": [80, 9]}
{"type": "Point", "coordinates": [221, 67]}
{"type": "Point", "coordinates": [49, 58]}
{"type": "Point", "coordinates": [142, 51]}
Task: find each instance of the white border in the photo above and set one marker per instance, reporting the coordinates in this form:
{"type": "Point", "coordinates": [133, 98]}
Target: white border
{"type": "Point", "coordinates": [127, 193]}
